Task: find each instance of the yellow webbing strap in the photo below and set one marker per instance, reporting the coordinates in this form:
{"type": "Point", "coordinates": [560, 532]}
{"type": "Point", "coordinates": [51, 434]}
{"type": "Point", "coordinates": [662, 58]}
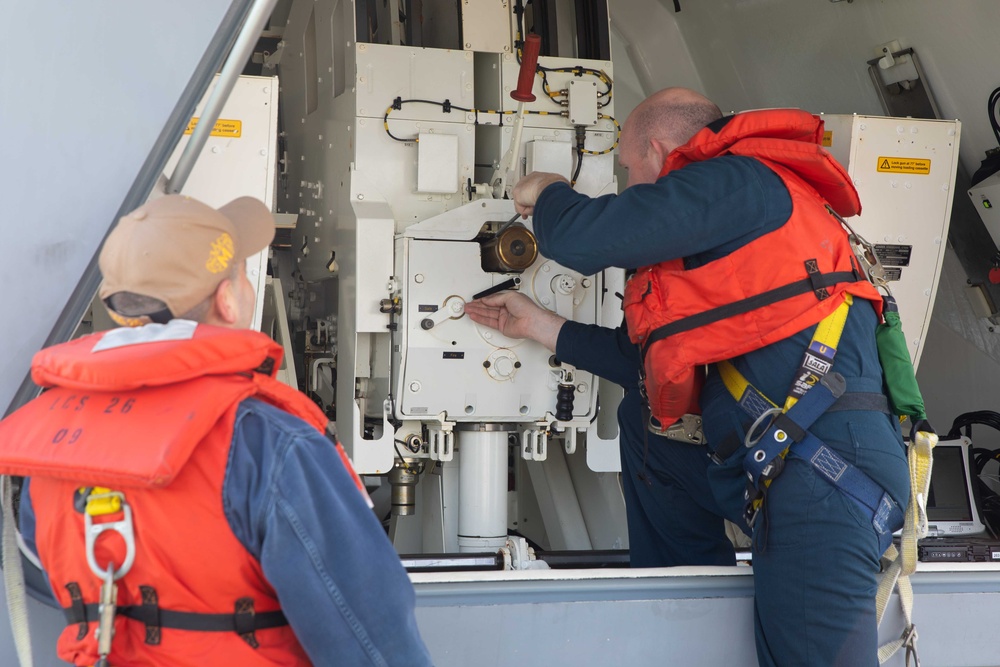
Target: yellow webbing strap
{"type": "Point", "coordinates": [827, 334]}
{"type": "Point", "coordinates": [897, 567]}
{"type": "Point", "coordinates": [735, 383]}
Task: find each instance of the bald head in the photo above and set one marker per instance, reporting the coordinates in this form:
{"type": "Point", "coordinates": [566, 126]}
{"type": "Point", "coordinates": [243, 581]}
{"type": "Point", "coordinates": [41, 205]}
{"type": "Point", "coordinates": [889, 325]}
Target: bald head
{"type": "Point", "coordinates": [662, 122]}
{"type": "Point", "coordinates": [672, 115]}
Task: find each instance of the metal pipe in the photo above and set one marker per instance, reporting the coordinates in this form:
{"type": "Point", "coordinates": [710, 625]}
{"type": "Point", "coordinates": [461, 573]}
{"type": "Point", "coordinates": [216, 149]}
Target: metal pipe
{"type": "Point", "coordinates": [482, 490]}
{"type": "Point", "coordinates": [238, 57]}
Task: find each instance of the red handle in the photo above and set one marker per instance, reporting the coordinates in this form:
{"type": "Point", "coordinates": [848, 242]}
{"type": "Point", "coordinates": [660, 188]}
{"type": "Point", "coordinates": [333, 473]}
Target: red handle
{"type": "Point", "coordinates": [529, 61]}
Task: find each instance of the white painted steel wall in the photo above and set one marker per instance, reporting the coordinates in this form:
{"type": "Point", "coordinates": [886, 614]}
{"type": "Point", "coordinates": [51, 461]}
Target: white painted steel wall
{"type": "Point", "coordinates": [87, 90]}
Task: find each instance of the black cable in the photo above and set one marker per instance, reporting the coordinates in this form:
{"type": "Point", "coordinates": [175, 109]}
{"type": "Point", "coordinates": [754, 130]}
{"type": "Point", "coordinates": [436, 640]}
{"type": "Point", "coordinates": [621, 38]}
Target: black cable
{"type": "Point", "coordinates": [581, 137]}
{"type": "Point", "coordinates": [579, 164]}
{"type": "Point", "coordinates": [966, 421]}
{"type": "Point", "coordinates": [398, 103]}
{"type": "Point", "coordinates": [991, 108]}
{"type": "Point", "coordinates": [579, 71]}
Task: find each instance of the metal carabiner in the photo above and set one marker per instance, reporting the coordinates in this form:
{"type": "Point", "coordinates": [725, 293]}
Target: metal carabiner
{"type": "Point", "coordinates": [106, 613]}
{"type": "Point", "coordinates": [910, 643]}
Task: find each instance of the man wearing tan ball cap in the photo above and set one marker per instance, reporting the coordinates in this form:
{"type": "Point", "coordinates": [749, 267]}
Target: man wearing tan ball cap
{"type": "Point", "coordinates": [247, 537]}
{"type": "Point", "coordinates": [179, 251]}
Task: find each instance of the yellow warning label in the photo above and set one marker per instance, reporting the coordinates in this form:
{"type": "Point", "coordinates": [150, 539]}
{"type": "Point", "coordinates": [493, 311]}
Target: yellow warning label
{"type": "Point", "coordinates": [223, 128]}
{"type": "Point", "coordinates": [827, 138]}
{"type": "Point", "coordinates": [904, 165]}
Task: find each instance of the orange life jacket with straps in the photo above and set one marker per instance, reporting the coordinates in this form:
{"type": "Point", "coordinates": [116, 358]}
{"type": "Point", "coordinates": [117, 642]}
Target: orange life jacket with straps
{"type": "Point", "coordinates": [769, 289]}
{"type": "Point", "coordinates": [149, 413]}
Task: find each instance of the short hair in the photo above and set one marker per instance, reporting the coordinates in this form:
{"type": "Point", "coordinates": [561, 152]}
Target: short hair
{"type": "Point", "coordinates": [675, 122]}
{"type": "Point", "coordinates": [132, 305]}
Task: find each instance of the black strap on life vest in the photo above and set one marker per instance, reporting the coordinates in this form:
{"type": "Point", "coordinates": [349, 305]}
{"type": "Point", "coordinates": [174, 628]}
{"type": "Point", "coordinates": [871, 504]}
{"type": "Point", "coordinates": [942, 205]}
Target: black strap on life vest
{"type": "Point", "coordinates": [244, 621]}
{"type": "Point", "coordinates": [816, 282]}
{"type": "Point", "coordinates": [77, 610]}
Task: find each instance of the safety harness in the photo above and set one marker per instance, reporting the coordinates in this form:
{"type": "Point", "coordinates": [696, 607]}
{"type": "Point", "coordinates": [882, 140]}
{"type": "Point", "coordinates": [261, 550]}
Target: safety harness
{"type": "Point", "coordinates": [814, 391]}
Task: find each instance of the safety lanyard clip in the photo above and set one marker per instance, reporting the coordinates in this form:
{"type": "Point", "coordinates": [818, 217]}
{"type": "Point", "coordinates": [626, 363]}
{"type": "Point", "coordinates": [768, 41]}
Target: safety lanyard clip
{"type": "Point", "coordinates": [106, 613]}
{"type": "Point", "coordinates": [686, 429]}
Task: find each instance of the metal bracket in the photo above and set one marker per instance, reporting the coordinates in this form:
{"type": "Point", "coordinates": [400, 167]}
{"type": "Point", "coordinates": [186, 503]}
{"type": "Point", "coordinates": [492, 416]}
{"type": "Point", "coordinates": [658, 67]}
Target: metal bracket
{"type": "Point", "coordinates": [440, 444]}
{"type": "Point", "coordinates": [534, 444]}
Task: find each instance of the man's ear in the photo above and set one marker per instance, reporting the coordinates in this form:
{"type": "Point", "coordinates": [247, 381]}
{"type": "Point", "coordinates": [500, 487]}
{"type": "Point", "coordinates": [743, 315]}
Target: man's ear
{"type": "Point", "coordinates": [661, 149]}
{"type": "Point", "coordinates": [225, 303]}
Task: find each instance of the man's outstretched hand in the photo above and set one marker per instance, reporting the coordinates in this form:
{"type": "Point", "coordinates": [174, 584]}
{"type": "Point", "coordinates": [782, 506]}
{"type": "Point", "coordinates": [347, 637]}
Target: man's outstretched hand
{"type": "Point", "coordinates": [516, 316]}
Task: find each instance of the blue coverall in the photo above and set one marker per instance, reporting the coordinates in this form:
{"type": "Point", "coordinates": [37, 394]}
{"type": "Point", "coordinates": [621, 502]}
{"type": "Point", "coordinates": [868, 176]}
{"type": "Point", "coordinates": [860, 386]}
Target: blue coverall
{"type": "Point", "coordinates": [815, 555]}
{"type": "Point", "coordinates": [673, 519]}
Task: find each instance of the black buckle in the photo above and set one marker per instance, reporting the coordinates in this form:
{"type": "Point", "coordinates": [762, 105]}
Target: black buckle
{"type": "Point", "coordinates": [750, 496]}
{"type": "Point", "coordinates": [772, 469]}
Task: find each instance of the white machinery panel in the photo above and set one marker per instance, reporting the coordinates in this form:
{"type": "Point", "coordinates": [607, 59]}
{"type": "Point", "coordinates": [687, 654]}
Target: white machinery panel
{"type": "Point", "coordinates": [488, 27]}
{"type": "Point", "coordinates": [388, 170]}
{"type": "Point", "coordinates": [387, 72]}
{"type": "Point", "coordinates": [238, 158]}
{"type": "Point", "coordinates": [555, 157]}
{"type": "Point", "coordinates": [470, 372]}
{"type": "Point", "coordinates": [597, 175]}
{"type": "Point", "coordinates": [904, 170]}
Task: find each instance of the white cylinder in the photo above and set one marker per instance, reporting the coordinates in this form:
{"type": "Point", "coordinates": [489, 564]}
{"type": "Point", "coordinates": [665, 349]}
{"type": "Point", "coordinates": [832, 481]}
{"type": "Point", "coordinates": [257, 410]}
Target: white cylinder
{"type": "Point", "coordinates": [482, 490]}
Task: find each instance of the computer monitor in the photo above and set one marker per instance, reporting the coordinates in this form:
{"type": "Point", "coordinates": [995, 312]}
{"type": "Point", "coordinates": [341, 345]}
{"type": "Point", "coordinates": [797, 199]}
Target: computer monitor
{"type": "Point", "coordinates": [952, 504]}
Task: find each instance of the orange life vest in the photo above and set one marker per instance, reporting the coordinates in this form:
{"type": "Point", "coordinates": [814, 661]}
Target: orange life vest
{"type": "Point", "coordinates": [153, 420]}
{"type": "Point", "coordinates": [767, 290]}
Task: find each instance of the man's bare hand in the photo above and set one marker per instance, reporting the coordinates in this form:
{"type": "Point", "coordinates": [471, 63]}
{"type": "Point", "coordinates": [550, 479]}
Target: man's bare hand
{"type": "Point", "coordinates": [516, 316]}
{"type": "Point", "coordinates": [527, 190]}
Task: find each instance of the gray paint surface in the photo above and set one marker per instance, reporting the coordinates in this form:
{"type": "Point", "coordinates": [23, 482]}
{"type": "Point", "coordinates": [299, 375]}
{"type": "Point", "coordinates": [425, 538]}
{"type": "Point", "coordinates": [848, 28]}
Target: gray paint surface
{"type": "Point", "coordinates": [88, 88]}
{"type": "Point", "coordinates": [666, 617]}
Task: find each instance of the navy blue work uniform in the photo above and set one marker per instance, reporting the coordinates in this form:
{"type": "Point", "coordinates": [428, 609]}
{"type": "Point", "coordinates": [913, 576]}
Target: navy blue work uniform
{"type": "Point", "coordinates": [673, 518]}
{"type": "Point", "coordinates": [815, 555]}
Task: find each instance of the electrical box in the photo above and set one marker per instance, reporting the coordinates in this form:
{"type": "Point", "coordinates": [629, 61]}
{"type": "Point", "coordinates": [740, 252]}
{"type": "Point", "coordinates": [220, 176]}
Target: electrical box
{"type": "Point", "coordinates": [904, 170]}
{"type": "Point", "coordinates": [582, 102]}
{"type": "Point", "coordinates": [437, 163]}
{"type": "Point", "coordinates": [555, 157]}
{"type": "Point", "coordinates": [986, 198]}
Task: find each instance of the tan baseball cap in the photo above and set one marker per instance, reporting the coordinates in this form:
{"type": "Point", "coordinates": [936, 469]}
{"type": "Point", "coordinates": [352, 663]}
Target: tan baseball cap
{"type": "Point", "coordinates": [177, 250]}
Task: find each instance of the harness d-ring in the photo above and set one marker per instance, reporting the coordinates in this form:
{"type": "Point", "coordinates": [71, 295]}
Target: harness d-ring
{"type": "Point", "coordinates": [123, 527]}
{"type": "Point", "coordinates": [750, 440]}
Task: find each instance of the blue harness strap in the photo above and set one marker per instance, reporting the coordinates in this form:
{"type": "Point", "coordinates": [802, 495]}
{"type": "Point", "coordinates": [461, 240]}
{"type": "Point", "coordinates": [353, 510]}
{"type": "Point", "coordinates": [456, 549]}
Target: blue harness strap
{"type": "Point", "coordinates": [885, 514]}
{"type": "Point", "coordinates": [789, 432]}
